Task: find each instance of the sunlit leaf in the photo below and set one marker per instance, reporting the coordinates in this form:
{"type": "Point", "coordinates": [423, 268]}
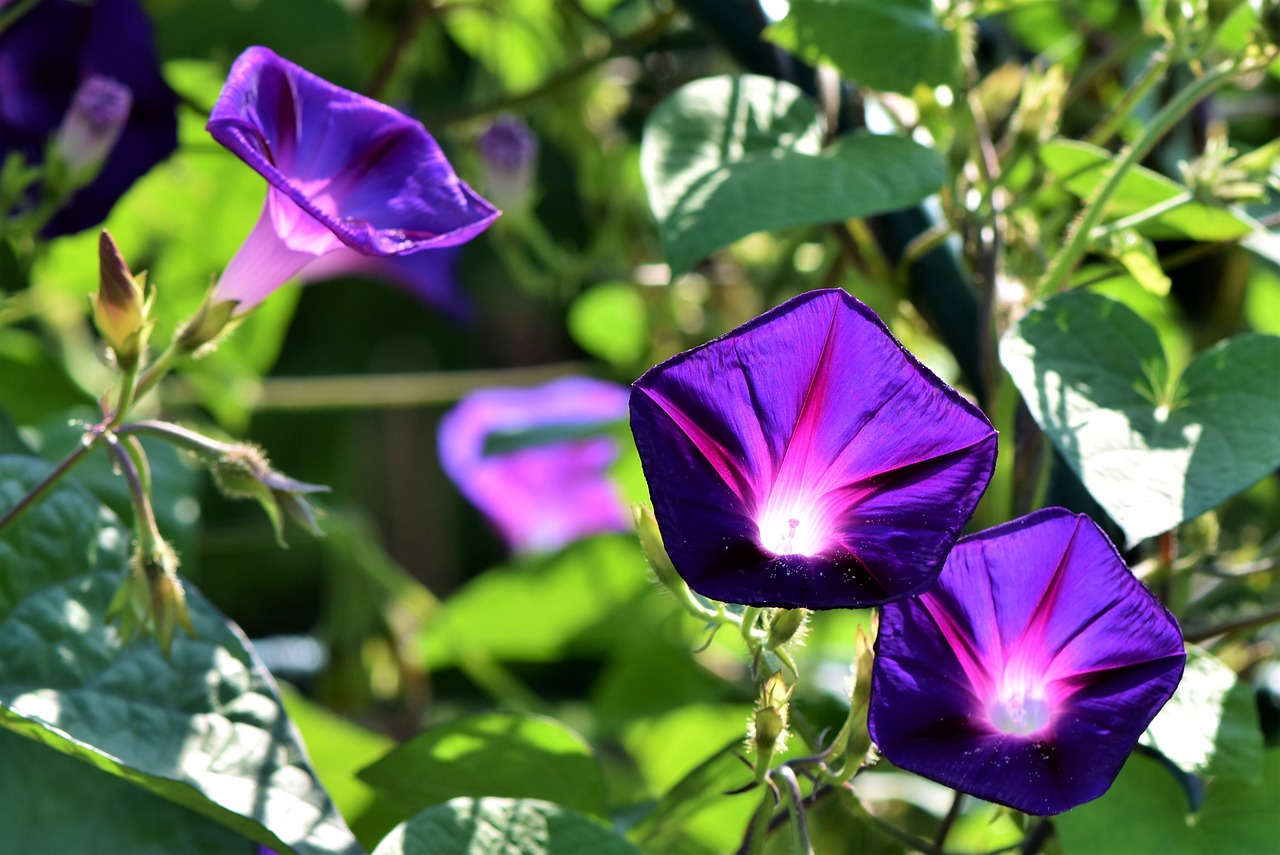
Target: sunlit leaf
{"type": "Point", "coordinates": [890, 45]}
{"type": "Point", "coordinates": [1210, 725]}
{"type": "Point", "coordinates": [204, 728]}
{"type": "Point", "coordinates": [1153, 450]}
{"type": "Point", "coordinates": [502, 827]}
{"type": "Point", "coordinates": [492, 754]}
{"type": "Point", "coordinates": [724, 157]}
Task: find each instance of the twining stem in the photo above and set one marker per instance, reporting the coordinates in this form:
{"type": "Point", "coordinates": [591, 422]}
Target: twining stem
{"type": "Point", "coordinates": [1081, 231]}
{"type": "Point", "coordinates": [801, 843]}
{"type": "Point", "coordinates": [147, 530]}
{"type": "Point", "coordinates": [1145, 215]}
{"type": "Point", "coordinates": [156, 371]}
{"type": "Point", "coordinates": [953, 813]}
{"type": "Point", "coordinates": [87, 442]}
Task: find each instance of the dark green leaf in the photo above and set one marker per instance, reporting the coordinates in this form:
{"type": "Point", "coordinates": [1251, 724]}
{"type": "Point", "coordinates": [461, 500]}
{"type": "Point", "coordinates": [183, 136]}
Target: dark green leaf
{"type": "Point", "coordinates": [502, 827]}
{"type": "Point", "coordinates": [1146, 811]}
{"type": "Point", "coordinates": [53, 805]}
{"type": "Point", "coordinates": [1153, 452]}
{"type": "Point", "coordinates": [1210, 725]}
{"type": "Point", "coordinates": [493, 754]}
{"type": "Point", "coordinates": [725, 157]}
{"type": "Point", "coordinates": [889, 45]}
{"type": "Point", "coordinates": [204, 728]}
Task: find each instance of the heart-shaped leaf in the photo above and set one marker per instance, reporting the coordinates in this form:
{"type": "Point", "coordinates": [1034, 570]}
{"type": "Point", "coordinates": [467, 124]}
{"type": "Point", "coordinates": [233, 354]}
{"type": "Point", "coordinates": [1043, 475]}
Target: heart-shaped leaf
{"type": "Point", "coordinates": [205, 728]}
{"type": "Point", "coordinates": [1154, 453]}
{"type": "Point", "coordinates": [725, 157]}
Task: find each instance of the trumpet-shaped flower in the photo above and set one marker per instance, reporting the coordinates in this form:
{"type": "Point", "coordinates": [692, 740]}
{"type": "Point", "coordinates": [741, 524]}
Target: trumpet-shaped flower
{"type": "Point", "coordinates": [535, 461]}
{"type": "Point", "coordinates": [1027, 673]}
{"type": "Point", "coordinates": [58, 60]}
{"type": "Point", "coordinates": [347, 175]}
{"type": "Point", "coordinates": [807, 460]}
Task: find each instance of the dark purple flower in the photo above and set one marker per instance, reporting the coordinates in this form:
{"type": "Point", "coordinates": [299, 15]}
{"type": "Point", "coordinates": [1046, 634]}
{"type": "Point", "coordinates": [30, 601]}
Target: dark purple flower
{"type": "Point", "coordinates": [535, 460]}
{"type": "Point", "coordinates": [346, 174]}
{"type": "Point", "coordinates": [1027, 673]}
{"type": "Point", "coordinates": [807, 460]}
{"type": "Point", "coordinates": [47, 56]}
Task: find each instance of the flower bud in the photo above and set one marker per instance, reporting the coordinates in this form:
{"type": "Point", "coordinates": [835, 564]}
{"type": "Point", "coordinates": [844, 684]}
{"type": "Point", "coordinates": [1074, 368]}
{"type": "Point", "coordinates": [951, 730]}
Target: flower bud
{"type": "Point", "coordinates": [91, 127]}
{"type": "Point", "coordinates": [121, 306]}
{"type": "Point", "coordinates": [151, 599]}
{"type": "Point", "coordinates": [243, 472]}
{"type": "Point", "coordinates": [509, 150]}
{"type": "Point", "coordinates": [787, 625]}
{"type": "Point", "coordinates": [211, 323]}
{"type": "Point", "coordinates": [767, 729]}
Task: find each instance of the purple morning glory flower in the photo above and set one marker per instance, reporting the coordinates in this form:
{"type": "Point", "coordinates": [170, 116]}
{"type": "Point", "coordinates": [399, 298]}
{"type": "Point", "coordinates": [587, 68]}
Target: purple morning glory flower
{"type": "Point", "coordinates": [1027, 673]}
{"type": "Point", "coordinates": [52, 52]}
{"type": "Point", "coordinates": [807, 460]}
{"type": "Point", "coordinates": [534, 461]}
{"type": "Point", "coordinates": [347, 175]}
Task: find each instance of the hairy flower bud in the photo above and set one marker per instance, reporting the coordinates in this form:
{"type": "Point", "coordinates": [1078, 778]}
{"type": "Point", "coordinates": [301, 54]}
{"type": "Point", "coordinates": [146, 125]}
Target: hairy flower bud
{"type": "Point", "coordinates": [767, 728]}
{"type": "Point", "coordinates": [242, 471]}
{"type": "Point", "coordinates": [787, 625]}
{"type": "Point", "coordinates": [151, 600]}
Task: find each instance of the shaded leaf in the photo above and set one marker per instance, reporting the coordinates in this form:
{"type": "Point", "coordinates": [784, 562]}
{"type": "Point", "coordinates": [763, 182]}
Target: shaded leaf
{"type": "Point", "coordinates": [1146, 811]}
{"type": "Point", "coordinates": [493, 754]}
{"type": "Point", "coordinates": [51, 804]}
{"type": "Point", "coordinates": [724, 157]}
{"type": "Point", "coordinates": [204, 728]}
{"type": "Point", "coordinates": [1152, 452]}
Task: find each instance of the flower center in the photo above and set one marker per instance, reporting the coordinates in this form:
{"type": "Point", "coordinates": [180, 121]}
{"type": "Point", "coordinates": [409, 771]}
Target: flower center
{"type": "Point", "coordinates": [1020, 707]}
{"type": "Point", "coordinates": [789, 531]}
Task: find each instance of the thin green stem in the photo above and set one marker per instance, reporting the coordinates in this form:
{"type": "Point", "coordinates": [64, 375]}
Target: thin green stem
{"type": "Point", "coordinates": [1197, 634]}
{"type": "Point", "coordinates": [953, 813]}
{"type": "Point", "coordinates": [156, 371]}
{"type": "Point", "coordinates": [801, 844]}
{"type": "Point", "coordinates": [147, 530]}
{"type": "Point", "coordinates": [87, 442]}
{"type": "Point", "coordinates": [179, 436]}
{"type": "Point", "coordinates": [124, 401]}
{"type": "Point", "coordinates": [1146, 215]}
{"type": "Point", "coordinates": [1079, 235]}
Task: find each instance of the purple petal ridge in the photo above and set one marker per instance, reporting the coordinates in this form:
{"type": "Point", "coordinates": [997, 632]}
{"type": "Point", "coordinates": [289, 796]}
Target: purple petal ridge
{"type": "Point", "coordinates": [553, 489]}
{"type": "Point", "coordinates": [806, 459]}
{"type": "Point", "coordinates": [1027, 673]}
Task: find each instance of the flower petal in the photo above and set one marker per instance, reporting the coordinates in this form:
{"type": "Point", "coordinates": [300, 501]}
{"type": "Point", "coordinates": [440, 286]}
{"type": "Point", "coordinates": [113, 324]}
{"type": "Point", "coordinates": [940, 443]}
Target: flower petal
{"type": "Point", "coordinates": [1026, 674]}
{"type": "Point", "coordinates": [807, 460]}
{"type": "Point", "coordinates": [551, 487]}
{"type": "Point", "coordinates": [369, 173]}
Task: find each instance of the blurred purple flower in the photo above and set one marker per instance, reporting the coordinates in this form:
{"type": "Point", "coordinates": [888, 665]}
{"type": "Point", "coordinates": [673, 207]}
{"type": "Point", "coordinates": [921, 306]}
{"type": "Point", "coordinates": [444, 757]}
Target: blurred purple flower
{"type": "Point", "coordinates": [347, 175]}
{"type": "Point", "coordinates": [47, 56]}
{"type": "Point", "coordinates": [509, 150]}
{"type": "Point", "coordinates": [1027, 673]}
{"type": "Point", "coordinates": [534, 461]}
{"type": "Point", "coordinates": [807, 460]}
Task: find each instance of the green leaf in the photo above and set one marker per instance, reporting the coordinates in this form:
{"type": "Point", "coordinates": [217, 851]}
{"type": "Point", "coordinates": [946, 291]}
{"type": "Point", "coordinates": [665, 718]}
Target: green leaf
{"type": "Point", "coordinates": [1210, 725]}
{"type": "Point", "coordinates": [1154, 453]}
{"type": "Point", "coordinates": [610, 321]}
{"type": "Point", "coordinates": [204, 728]}
{"type": "Point", "coordinates": [493, 754]}
{"type": "Point", "coordinates": [890, 45]}
{"type": "Point", "coordinates": [725, 157]}
{"type": "Point", "coordinates": [493, 615]}
{"type": "Point", "coordinates": [1080, 168]}
{"type": "Point", "coordinates": [502, 827]}
{"type": "Point", "coordinates": [1146, 811]}
{"type": "Point", "coordinates": [50, 803]}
